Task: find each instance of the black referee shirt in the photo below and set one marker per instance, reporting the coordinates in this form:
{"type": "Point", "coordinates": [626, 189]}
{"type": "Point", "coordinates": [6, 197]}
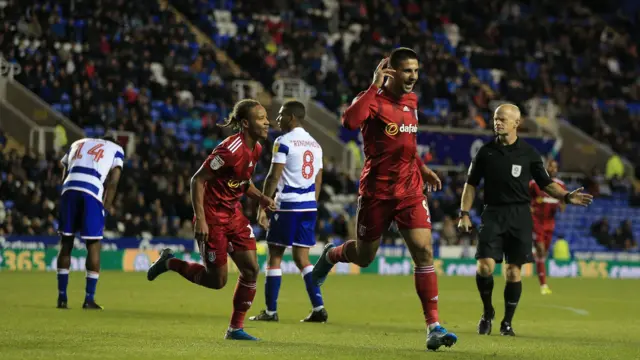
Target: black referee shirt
{"type": "Point", "coordinates": [507, 171]}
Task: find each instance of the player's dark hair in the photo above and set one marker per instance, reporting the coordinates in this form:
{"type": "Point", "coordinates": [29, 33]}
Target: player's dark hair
{"type": "Point", "coordinates": [109, 137]}
{"type": "Point", "coordinates": [401, 54]}
{"type": "Point", "coordinates": [240, 111]}
{"type": "Point", "coordinates": [295, 108]}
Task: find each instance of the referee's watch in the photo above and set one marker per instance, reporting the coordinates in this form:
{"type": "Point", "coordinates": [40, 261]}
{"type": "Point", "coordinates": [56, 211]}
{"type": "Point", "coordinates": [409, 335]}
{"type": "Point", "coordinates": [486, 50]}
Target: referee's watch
{"type": "Point", "coordinates": [566, 198]}
{"type": "Point", "coordinates": [464, 213]}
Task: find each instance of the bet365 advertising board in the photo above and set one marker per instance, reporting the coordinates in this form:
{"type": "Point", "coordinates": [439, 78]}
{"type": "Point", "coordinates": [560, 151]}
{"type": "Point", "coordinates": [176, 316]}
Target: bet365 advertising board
{"type": "Point", "coordinates": [44, 259]}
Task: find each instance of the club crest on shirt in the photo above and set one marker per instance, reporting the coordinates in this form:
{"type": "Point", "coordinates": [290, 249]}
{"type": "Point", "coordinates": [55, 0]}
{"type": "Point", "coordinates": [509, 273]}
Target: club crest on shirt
{"type": "Point", "coordinates": [211, 256]}
{"type": "Point", "coordinates": [516, 170]}
{"type": "Point", "coordinates": [216, 163]}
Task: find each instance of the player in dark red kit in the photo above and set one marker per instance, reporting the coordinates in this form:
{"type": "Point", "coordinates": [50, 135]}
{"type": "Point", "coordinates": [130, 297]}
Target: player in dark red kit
{"type": "Point", "coordinates": [391, 184]}
{"type": "Point", "coordinates": [543, 209]}
{"type": "Point", "coordinates": [220, 226]}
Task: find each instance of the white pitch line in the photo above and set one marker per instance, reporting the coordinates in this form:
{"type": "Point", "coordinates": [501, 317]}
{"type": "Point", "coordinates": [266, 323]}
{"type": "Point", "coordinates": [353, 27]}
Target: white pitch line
{"type": "Point", "coordinates": [572, 309]}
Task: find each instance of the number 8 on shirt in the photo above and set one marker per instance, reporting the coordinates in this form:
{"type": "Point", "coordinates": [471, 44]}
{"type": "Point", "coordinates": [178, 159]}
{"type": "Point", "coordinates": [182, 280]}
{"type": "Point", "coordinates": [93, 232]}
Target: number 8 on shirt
{"type": "Point", "coordinates": [294, 221]}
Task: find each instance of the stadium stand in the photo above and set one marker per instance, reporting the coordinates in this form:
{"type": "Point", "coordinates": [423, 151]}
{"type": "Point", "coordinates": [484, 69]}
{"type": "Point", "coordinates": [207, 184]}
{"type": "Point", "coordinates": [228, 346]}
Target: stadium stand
{"type": "Point", "coordinates": [132, 66]}
{"type": "Point", "coordinates": [295, 39]}
{"type": "Point", "coordinates": [104, 73]}
{"type": "Point", "coordinates": [561, 50]}
{"type": "Point", "coordinates": [517, 55]}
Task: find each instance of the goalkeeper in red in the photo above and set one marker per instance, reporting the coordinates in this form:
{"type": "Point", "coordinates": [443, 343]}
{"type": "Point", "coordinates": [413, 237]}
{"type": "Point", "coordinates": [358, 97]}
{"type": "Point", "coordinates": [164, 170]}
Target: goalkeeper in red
{"type": "Point", "coordinates": [391, 184]}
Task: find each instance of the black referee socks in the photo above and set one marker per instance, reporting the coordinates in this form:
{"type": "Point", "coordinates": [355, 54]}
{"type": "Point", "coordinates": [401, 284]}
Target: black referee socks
{"type": "Point", "coordinates": [485, 288]}
{"type": "Point", "coordinates": [512, 292]}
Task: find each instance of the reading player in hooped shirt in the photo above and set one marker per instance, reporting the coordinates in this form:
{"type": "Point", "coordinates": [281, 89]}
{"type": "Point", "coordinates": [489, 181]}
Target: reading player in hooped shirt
{"type": "Point", "coordinates": [220, 226]}
{"type": "Point", "coordinates": [543, 209]}
{"type": "Point", "coordinates": [391, 184]}
{"type": "Point", "coordinates": [92, 172]}
{"type": "Point", "coordinates": [295, 179]}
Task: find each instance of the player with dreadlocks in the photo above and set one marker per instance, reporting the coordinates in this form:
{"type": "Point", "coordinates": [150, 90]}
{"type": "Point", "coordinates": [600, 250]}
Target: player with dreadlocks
{"type": "Point", "coordinates": [220, 226]}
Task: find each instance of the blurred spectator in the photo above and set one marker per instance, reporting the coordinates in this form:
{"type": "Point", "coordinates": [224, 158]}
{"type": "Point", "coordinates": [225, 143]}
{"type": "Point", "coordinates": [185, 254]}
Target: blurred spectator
{"type": "Point", "coordinates": [602, 232]}
{"type": "Point", "coordinates": [624, 237]}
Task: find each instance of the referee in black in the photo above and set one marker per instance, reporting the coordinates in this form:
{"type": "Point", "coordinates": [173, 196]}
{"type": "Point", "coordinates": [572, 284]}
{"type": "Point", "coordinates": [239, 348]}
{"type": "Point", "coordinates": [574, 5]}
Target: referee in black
{"type": "Point", "coordinates": [507, 164]}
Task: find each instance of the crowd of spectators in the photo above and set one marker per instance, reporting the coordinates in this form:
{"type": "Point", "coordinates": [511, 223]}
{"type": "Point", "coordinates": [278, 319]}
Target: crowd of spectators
{"type": "Point", "coordinates": [107, 66]}
{"type": "Point", "coordinates": [621, 238]}
{"type": "Point", "coordinates": [294, 39]}
{"type": "Point", "coordinates": [113, 64]}
{"type": "Point", "coordinates": [153, 196]}
{"type": "Point", "coordinates": [563, 50]}
{"type": "Point", "coordinates": [521, 49]}
{"type": "Point", "coordinates": [125, 65]}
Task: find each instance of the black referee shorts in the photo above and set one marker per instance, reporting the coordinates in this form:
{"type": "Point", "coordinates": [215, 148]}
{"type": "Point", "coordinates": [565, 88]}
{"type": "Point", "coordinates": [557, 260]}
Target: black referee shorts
{"type": "Point", "coordinates": [506, 232]}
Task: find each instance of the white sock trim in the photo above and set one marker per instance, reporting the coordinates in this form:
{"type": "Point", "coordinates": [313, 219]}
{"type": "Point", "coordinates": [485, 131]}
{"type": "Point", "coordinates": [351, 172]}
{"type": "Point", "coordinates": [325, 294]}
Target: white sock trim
{"type": "Point", "coordinates": [318, 308]}
{"type": "Point", "coordinates": [307, 269]}
{"type": "Point", "coordinates": [326, 257]}
{"type": "Point", "coordinates": [274, 272]}
{"type": "Point", "coordinates": [93, 274]}
{"type": "Point", "coordinates": [63, 271]}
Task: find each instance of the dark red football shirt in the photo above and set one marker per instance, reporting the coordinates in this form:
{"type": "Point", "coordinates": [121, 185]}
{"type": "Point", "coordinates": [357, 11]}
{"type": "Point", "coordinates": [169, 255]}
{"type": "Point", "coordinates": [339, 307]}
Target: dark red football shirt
{"type": "Point", "coordinates": [544, 207]}
{"type": "Point", "coordinates": [232, 163]}
{"type": "Point", "coordinates": [389, 130]}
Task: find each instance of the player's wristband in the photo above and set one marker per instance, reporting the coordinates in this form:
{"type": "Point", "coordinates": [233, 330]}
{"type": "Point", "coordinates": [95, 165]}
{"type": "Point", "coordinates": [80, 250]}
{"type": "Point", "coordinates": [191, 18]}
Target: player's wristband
{"type": "Point", "coordinates": [566, 198]}
{"type": "Point", "coordinates": [464, 213]}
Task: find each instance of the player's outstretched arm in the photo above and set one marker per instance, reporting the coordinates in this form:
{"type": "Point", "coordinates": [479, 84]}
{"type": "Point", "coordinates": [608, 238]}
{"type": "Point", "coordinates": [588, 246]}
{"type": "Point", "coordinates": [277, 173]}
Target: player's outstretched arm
{"type": "Point", "coordinates": [575, 197]}
{"type": "Point", "coordinates": [541, 177]}
{"type": "Point", "coordinates": [111, 187]}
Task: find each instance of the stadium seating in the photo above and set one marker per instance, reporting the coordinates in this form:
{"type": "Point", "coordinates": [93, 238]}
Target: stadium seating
{"type": "Point", "coordinates": [561, 50]}
{"type": "Point", "coordinates": [147, 74]}
{"type": "Point", "coordinates": [104, 74]}
{"type": "Point", "coordinates": [518, 56]}
{"type": "Point", "coordinates": [107, 74]}
{"type": "Point", "coordinates": [295, 41]}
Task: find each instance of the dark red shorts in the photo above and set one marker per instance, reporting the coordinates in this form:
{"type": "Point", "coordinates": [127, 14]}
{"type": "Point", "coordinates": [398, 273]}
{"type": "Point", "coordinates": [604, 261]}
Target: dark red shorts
{"type": "Point", "coordinates": [375, 215]}
{"type": "Point", "coordinates": [226, 235]}
{"type": "Point", "coordinates": [544, 236]}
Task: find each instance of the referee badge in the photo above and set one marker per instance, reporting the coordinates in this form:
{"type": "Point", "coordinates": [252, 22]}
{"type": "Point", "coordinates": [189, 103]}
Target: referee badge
{"type": "Point", "coordinates": [516, 170]}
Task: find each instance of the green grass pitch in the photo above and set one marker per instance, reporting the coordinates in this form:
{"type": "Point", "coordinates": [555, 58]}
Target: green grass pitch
{"type": "Point", "coordinates": [370, 317]}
